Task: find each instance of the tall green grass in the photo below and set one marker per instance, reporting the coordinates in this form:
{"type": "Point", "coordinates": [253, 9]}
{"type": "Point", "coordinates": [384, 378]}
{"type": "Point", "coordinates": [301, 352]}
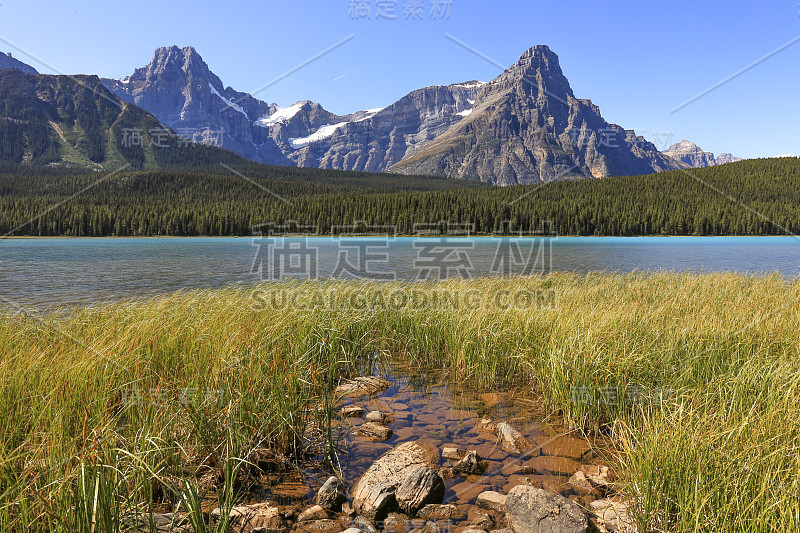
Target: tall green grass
{"type": "Point", "coordinates": [695, 378]}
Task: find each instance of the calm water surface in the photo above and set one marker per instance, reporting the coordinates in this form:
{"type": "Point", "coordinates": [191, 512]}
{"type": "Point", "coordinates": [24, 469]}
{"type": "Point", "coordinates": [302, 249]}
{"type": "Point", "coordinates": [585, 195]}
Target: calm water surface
{"type": "Point", "coordinates": [42, 273]}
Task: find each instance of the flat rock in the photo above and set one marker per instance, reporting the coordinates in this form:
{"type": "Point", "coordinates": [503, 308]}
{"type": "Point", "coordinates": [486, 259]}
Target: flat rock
{"type": "Point", "coordinates": [613, 515]}
{"type": "Point", "coordinates": [315, 526]}
{"type": "Point", "coordinates": [375, 416]}
{"type": "Point", "coordinates": [533, 510]}
{"type": "Point", "coordinates": [453, 454]}
{"type": "Point", "coordinates": [246, 518]}
{"type": "Point", "coordinates": [421, 486]}
{"type": "Point", "coordinates": [353, 411]}
{"type": "Point", "coordinates": [580, 483]}
{"type": "Point", "coordinates": [315, 512]}
{"type": "Point", "coordinates": [331, 494]}
{"type": "Point", "coordinates": [494, 501]}
{"type": "Point", "coordinates": [555, 465]}
{"type": "Point", "coordinates": [373, 494]}
{"type": "Point", "coordinates": [442, 511]}
{"type": "Point", "coordinates": [362, 386]}
{"type": "Point", "coordinates": [512, 441]}
{"type": "Point", "coordinates": [566, 446]}
{"type": "Point", "coordinates": [373, 431]}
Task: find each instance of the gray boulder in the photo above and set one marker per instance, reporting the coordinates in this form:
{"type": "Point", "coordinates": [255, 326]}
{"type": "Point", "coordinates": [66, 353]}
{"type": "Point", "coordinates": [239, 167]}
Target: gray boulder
{"type": "Point", "coordinates": [332, 494]}
{"type": "Point", "coordinates": [533, 510]}
{"type": "Point", "coordinates": [420, 487]}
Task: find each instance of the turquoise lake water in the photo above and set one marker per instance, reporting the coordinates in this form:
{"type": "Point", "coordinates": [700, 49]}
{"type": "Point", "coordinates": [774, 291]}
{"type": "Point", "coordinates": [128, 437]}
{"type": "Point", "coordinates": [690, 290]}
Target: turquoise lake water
{"type": "Point", "coordinates": [43, 273]}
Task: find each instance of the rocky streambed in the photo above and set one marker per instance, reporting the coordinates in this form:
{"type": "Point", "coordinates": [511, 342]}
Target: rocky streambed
{"type": "Point", "coordinates": [425, 452]}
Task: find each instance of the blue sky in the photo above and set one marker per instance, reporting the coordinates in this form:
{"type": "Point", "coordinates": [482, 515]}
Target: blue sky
{"type": "Point", "coordinates": [637, 60]}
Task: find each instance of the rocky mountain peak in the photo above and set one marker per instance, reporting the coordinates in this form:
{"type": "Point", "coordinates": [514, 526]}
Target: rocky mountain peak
{"type": "Point", "coordinates": [538, 73]}
{"type": "Point", "coordinates": [689, 153]}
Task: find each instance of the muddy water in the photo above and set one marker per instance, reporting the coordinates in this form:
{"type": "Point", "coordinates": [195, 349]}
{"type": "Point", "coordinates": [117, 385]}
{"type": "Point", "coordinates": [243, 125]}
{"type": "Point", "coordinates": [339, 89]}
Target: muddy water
{"type": "Point", "coordinates": [445, 411]}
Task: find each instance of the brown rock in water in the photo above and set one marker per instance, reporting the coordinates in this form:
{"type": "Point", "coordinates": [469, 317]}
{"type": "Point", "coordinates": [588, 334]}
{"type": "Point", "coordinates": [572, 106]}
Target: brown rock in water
{"type": "Point", "coordinates": [613, 515]}
{"type": "Point", "coordinates": [453, 454]}
{"type": "Point", "coordinates": [471, 463]}
{"type": "Point", "coordinates": [315, 512]}
{"type": "Point", "coordinates": [373, 494]}
{"type": "Point", "coordinates": [581, 484]}
{"type": "Point", "coordinates": [565, 446]}
{"type": "Point", "coordinates": [554, 465]}
{"type": "Point", "coordinates": [247, 518]}
{"type": "Point", "coordinates": [331, 494]}
{"type": "Point", "coordinates": [315, 526]}
{"type": "Point", "coordinates": [375, 416]}
{"type": "Point", "coordinates": [533, 510]}
{"type": "Point", "coordinates": [513, 441]}
{"type": "Point", "coordinates": [374, 431]}
{"type": "Point", "coordinates": [447, 472]}
{"type": "Point", "coordinates": [353, 411]}
{"type": "Point", "coordinates": [486, 425]}
{"type": "Point", "coordinates": [421, 486]}
{"type": "Point", "coordinates": [362, 386]}
{"type": "Point", "coordinates": [443, 511]}
{"type": "Point", "coordinates": [494, 501]}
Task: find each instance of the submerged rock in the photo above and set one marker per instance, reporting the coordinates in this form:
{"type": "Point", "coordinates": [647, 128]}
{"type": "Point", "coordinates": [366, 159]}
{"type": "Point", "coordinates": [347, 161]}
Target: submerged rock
{"type": "Point", "coordinates": [533, 510]}
{"type": "Point", "coordinates": [512, 441]}
{"type": "Point", "coordinates": [353, 411]}
{"type": "Point", "coordinates": [374, 493]}
{"type": "Point", "coordinates": [315, 512]}
{"type": "Point", "coordinates": [373, 431]}
{"type": "Point", "coordinates": [440, 511]}
{"type": "Point", "coordinates": [332, 494]}
{"type": "Point", "coordinates": [421, 486]}
{"type": "Point", "coordinates": [362, 386]}
{"type": "Point", "coordinates": [375, 416]}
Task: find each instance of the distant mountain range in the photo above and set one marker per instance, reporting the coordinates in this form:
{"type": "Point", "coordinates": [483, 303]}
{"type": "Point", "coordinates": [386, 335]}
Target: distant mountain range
{"type": "Point", "coordinates": [525, 126]}
{"type": "Point", "coordinates": [692, 155]}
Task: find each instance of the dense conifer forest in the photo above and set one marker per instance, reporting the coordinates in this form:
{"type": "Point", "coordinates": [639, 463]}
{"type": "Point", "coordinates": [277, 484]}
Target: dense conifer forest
{"type": "Point", "coordinates": [753, 197]}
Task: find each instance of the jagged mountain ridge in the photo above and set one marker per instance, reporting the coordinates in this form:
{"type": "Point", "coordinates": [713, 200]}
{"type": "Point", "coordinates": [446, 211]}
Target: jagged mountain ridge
{"type": "Point", "coordinates": [524, 126]}
{"type": "Point", "coordinates": [7, 61]}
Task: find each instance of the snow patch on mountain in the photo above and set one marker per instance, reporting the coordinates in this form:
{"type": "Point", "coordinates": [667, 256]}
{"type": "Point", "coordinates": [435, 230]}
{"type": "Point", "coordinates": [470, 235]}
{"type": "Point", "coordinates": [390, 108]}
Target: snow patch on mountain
{"type": "Point", "coordinates": [322, 133]}
{"type": "Point", "coordinates": [281, 115]}
{"type": "Point", "coordinates": [465, 113]}
{"type": "Point", "coordinates": [228, 102]}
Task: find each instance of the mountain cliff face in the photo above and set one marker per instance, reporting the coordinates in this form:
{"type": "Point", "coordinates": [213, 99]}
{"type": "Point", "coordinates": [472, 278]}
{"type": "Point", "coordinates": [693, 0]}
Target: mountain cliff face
{"type": "Point", "coordinates": [6, 61]}
{"type": "Point", "coordinates": [178, 88]}
{"type": "Point", "coordinates": [526, 126]}
{"type": "Point", "coordinates": [376, 139]}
